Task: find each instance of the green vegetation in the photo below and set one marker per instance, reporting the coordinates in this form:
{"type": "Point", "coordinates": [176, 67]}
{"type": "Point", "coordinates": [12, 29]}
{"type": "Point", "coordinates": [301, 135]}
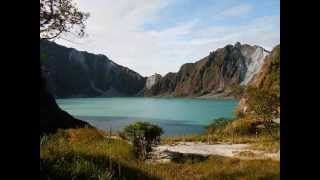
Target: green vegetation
{"type": "Point", "coordinates": [142, 135]}
{"type": "Point", "coordinates": [264, 105]}
{"type": "Point", "coordinates": [272, 81]}
{"type": "Point", "coordinates": [89, 154]}
{"type": "Point", "coordinates": [237, 90]}
{"type": "Point", "coordinates": [217, 125]}
{"type": "Point", "coordinates": [244, 130]}
{"type": "Point", "coordinates": [61, 16]}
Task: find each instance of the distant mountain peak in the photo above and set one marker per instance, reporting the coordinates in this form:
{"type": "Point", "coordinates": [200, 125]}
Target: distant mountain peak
{"type": "Point", "coordinates": [79, 73]}
{"type": "Point", "coordinates": [216, 73]}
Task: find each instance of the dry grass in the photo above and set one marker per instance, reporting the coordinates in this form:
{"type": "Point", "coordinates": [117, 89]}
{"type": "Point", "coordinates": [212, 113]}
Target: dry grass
{"type": "Point", "coordinates": [87, 154]}
{"type": "Point", "coordinates": [270, 146]}
{"type": "Point", "coordinates": [217, 167]}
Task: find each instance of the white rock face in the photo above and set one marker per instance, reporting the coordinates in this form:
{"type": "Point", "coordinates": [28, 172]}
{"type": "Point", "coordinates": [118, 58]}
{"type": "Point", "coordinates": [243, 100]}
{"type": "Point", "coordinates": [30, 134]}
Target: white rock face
{"type": "Point", "coordinates": [151, 80]}
{"type": "Point", "coordinates": [254, 61]}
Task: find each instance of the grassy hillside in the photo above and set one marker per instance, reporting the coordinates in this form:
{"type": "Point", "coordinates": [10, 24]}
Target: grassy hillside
{"type": "Point", "coordinates": [87, 154]}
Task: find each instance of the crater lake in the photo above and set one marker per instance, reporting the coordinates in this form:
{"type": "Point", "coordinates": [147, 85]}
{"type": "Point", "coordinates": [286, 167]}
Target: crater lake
{"type": "Point", "coordinates": [177, 116]}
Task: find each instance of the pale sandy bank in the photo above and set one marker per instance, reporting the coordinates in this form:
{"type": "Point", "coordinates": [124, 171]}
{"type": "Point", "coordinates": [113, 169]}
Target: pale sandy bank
{"type": "Point", "coordinates": [163, 153]}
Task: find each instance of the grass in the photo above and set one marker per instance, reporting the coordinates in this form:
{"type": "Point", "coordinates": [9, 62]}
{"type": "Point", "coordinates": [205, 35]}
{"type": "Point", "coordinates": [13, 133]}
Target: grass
{"type": "Point", "coordinates": [235, 132]}
{"type": "Point", "coordinates": [87, 154]}
{"type": "Point", "coordinates": [267, 145]}
{"type": "Point", "coordinates": [217, 167]}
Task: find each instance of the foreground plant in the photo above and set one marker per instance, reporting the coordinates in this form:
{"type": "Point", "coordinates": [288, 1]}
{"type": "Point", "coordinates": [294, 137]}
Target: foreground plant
{"type": "Point", "coordinates": [143, 135]}
{"type": "Point", "coordinates": [85, 153]}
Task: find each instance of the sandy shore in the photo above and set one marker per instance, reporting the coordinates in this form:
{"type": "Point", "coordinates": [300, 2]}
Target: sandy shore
{"type": "Point", "coordinates": [163, 153]}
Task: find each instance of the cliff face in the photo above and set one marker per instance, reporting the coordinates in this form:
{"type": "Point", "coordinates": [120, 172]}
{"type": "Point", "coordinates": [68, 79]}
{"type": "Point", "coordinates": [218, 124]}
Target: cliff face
{"type": "Point", "coordinates": [152, 80]}
{"type": "Point", "coordinates": [213, 74]}
{"type": "Point", "coordinates": [74, 73]}
{"type": "Point", "coordinates": [267, 79]}
{"type": "Point", "coordinates": [269, 76]}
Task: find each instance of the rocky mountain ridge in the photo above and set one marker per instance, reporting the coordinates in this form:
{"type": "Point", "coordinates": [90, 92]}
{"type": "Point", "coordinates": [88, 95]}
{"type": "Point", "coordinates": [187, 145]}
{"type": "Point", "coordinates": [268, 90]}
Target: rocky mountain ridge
{"type": "Point", "coordinates": [267, 79]}
{"type": "Point", "coordinates": [214, 74]}
{"type": "Point", "coordinates": [73, 73]}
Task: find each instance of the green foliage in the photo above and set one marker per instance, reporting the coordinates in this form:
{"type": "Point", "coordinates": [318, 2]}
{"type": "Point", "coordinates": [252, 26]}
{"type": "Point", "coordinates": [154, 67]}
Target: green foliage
{"type": "Point", "coordinates": [228, 128]}
{"type": "Point", "coordinates": [147, 130]}
{"type": "Point", "coordinates": [143, 135]}
{"type": "Point", "coordinates": [237, 90]}
{"type": "Point", "coordinates": [264, 104]}
{"type": "Point", "coordinates": [217, 125]}
{"type": "Point", "coordinates": [86, 154]}
{"type": "Point", "coordinates": [240, 127]}
{"type": "Point", "coordinates": [60, 16]}
{"type": "Point", "coordinates": [272, 81]}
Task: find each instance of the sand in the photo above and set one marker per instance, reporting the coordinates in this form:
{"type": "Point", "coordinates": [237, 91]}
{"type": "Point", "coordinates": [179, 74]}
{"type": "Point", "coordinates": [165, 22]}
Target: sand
{"type": "Point", "coordinates": [161, 153]}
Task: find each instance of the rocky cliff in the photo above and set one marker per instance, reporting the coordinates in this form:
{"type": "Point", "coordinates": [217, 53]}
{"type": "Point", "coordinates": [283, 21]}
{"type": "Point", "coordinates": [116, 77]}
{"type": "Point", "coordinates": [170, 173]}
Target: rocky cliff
{"type": "Point", "coordinates": [151, 80]}
{"type": "Point", "coordinates": [73, 73]}
{"type": "Point", "coordinates": [267, 79]}
{"type": "Point", "coordinates": [214, 74]}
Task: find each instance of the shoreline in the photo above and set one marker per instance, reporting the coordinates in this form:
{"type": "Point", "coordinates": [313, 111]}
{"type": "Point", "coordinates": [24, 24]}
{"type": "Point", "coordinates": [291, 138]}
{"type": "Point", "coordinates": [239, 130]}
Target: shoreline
{"type": "Point", "coordinates": [217, 96]}
{"type": "Point", "coordinates": [165, 153]}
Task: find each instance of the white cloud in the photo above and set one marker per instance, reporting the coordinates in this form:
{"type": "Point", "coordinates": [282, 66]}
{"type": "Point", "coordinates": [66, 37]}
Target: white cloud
{"type": "Point", "coordinates": [115, 29]}
{"type": "Point", "coordinates": [237, 10]}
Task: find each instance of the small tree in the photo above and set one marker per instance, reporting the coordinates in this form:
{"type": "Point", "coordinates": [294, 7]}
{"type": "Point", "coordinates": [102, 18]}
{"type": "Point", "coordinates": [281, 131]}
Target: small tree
{"type": "Point", "coordinates": [264, 105]}
{"type": "Point", "coordinates": [143, 135]}
{"type": "Point", "coordinates": [60, 16]}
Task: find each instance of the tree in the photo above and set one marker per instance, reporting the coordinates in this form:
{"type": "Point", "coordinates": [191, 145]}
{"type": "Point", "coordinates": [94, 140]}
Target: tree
{"type": "Point", "coordinates": [57, 17]}
{"type": "Point", "coordinates": [264, 105]}
{"type": "Point", "coordinates": [143, 135]}
{"type": "Point", "coordinates": [60, 16]}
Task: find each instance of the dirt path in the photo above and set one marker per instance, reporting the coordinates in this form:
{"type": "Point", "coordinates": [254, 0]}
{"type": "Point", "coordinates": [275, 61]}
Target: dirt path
{"type": "Point", "coordinates": [163, 153]}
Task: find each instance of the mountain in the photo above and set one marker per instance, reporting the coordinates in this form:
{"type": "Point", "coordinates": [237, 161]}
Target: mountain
{"type": "Point", "coordinates": [73, 73]}
{"type": "Point", "coordinates": [151, 80]}
{"type": "Point", "coordinates": [51, 116]}
{"type": "Point", "coordinates": [214, 74]}
{"type": "Point", "coordinates": [267, 79]}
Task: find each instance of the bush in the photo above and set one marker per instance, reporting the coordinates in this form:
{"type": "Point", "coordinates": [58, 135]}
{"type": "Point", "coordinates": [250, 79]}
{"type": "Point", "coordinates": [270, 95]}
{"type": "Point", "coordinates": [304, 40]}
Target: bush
{"type": "Point", "coordinates": [240, 127]}
{"type": "Point", "coordinates": [143, 135]}
{"type": "Point", "coordinates": [217, 125]}
{"type": "Point", "coordinates": [265, 105]}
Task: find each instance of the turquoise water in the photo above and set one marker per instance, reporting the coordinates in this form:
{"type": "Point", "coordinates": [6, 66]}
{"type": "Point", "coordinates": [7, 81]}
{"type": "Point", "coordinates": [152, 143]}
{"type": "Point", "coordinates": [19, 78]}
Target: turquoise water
{"type": "Point", "coordinates": [176, 116]}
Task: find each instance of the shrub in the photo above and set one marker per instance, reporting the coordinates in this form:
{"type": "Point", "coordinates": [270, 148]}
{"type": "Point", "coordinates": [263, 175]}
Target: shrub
{"type": "Point", "coordinates": [143, 135]}
{"type": "Point", "coordinates": [240, 127]}
{"type": "Point", "coordinates": [217, 125]}
{"type": "Point", "coordinates": [264, 105]}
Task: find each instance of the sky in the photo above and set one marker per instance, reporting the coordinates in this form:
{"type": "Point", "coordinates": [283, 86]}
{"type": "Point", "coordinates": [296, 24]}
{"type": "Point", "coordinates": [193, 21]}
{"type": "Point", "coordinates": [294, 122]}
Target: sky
{"type": "Point", "coordinates": [158, 36]}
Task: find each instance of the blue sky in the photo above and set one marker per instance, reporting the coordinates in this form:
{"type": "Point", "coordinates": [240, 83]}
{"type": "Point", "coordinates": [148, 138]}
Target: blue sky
{"type": "Point", "coordinates": [158, 36]}
{"type": "Point", "coordinates": [212, 12]}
